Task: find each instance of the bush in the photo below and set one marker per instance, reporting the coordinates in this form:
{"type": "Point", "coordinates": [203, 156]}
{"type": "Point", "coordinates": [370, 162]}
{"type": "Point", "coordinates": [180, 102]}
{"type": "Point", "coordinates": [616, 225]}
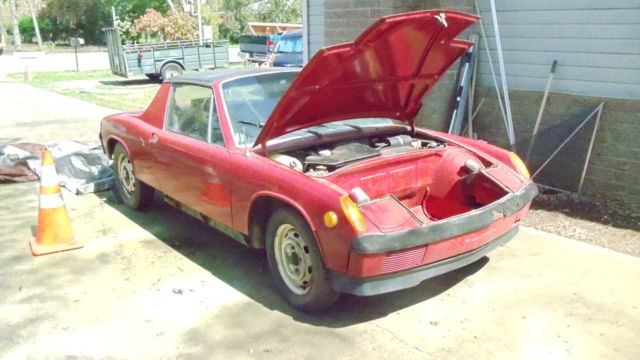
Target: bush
{"type": "Point", "coordinates": [28, 31]}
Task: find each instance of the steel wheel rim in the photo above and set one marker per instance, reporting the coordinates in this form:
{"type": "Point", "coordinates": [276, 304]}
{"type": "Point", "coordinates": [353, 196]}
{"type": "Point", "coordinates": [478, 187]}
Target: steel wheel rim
{"type": "Point", "coordinates": [125, 173]}
{"type": "Point", "coordinates": [293, 258]}
{"type": "Point", "coordinates": [171, 72]}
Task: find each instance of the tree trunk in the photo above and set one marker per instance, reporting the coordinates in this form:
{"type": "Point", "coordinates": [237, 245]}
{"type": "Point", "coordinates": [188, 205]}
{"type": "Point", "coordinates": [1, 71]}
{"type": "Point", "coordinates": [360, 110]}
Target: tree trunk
{"type": "Point", "coordinates": [171, 5]}
{"type": "Point", "coordinates": [16, 30]}
{"type": "Point", "coordinates": [35, 25]}
{"type": "Point", "coordinates": [3, 32]}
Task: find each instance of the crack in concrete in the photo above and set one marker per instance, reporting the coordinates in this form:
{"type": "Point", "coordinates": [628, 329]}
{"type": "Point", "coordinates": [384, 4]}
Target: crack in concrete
{"type": "Point", "coordinates": [403, 341]}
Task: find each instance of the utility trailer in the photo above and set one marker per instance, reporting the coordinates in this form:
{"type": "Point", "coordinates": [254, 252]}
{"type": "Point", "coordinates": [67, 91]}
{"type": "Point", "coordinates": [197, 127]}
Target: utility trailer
{"type": "Point", "coordinates": [164, 59]}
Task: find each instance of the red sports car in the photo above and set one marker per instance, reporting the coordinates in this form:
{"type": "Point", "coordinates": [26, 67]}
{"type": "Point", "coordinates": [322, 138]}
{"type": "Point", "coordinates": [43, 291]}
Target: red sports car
{"type": "Point", "coordinates": [325, 168]}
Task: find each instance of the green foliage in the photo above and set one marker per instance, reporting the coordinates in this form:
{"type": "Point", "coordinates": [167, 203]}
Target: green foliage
{"type": "Point", "coordinates": [213, 19]}
{"type": "Point", "coordinates": [28, 31]}
{"type": "Point", "coordinates": [86, 18]}
{"type": "Point", "coordinates": [180, 26]}
{"type": "Point", "coordinates": [239, 12]}
{"type": "Point", "coordinates": [282, 11]}
{"type": "Point", "coordinates": [235, 19]}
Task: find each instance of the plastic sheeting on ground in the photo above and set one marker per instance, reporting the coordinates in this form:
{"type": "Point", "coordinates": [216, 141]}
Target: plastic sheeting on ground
{"type": "Point", "coordinates": [82, 168]}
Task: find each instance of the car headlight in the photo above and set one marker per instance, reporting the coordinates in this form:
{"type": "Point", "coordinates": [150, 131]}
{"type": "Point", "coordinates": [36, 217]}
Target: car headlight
{"type": "Point", "coordinates": [519, 165]}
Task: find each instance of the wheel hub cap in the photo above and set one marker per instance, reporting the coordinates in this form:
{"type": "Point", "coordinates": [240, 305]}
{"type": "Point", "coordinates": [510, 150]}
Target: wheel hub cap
{"type": "Point", "coordinates": [127, 179]}
{"type": "Point", "coordinates": [293, 259]}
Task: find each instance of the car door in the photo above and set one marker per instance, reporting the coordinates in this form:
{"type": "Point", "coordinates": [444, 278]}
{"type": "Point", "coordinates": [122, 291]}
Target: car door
{"type": "Point", "coordinates": [190, 153]}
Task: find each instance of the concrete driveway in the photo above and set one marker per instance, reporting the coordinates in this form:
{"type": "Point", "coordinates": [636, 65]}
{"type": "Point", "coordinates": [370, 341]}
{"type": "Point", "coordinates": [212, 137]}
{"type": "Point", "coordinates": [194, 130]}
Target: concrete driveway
{"type": "Point", "coordinates": [159, 285]}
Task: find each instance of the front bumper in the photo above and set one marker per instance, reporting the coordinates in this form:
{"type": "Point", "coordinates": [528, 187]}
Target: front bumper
{"type": "Point", "coordinates": [448, 228]}
{"type": "Point", "coordinates": [374, 285]}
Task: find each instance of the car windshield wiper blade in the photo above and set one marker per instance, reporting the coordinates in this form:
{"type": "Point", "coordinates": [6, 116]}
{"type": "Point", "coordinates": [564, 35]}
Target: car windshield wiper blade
{"type": "Point", "coordinates": [256, 124]}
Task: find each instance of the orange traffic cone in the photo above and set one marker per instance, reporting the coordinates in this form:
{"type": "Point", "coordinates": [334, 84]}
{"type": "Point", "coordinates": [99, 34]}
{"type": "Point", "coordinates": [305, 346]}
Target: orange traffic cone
{"type": "Point", "coordinates": [54, 230]}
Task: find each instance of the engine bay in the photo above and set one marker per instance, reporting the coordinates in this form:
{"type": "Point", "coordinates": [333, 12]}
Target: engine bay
{"type": "Point", "coordinates": [323, 159]}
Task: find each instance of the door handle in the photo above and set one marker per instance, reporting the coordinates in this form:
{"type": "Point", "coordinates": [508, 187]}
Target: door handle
{"type": "Point", "coordinates": [154, 138]}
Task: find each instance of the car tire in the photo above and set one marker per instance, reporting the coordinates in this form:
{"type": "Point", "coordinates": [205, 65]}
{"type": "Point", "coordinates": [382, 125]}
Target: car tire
{"type": "Point", "coordinates": [296, 264]}
{"type": "Point", "coordinates": [132, 192]}
{"type": "Point", "coordinates": [170, 70]}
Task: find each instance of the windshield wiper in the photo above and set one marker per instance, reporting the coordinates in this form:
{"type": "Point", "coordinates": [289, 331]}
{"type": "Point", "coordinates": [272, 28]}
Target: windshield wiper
{"type": "Point", "coordinates": [256, 124]}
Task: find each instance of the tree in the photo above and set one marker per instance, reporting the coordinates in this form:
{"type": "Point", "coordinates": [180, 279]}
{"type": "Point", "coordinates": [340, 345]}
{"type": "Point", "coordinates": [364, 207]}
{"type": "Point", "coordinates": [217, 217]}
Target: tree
{"type": "Point", "coordinates": [35, 24]}
{"type": "Point", "coordinates": [285, 11]}
{"type": "Point", "coordinates": [180, 26]}
{"type": "Point", "coordinates": [152, 23]}
{"type": "Point", "coordinates": [17, 41]}
{"type": "Point", "coordinates": [3, 32]}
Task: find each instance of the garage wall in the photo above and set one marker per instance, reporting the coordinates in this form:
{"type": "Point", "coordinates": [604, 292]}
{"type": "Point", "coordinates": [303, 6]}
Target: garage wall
{"type": "Point", "coordinates": [596, 43]}
{"type": "Point", "coordinates": [314, 26]}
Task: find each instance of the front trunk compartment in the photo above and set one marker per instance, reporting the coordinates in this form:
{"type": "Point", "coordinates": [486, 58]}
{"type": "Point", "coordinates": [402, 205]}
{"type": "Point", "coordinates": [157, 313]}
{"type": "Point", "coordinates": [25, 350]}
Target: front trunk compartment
{"type": "Point", "coordinates": [415, 178]}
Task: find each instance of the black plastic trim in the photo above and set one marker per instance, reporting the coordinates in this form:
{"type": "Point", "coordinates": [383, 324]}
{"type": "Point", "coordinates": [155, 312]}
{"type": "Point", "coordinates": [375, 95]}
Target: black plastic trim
{"type": "Point", "coordinates": [381, 284]}
{"type": "Point", "coordinates": [447, 228]}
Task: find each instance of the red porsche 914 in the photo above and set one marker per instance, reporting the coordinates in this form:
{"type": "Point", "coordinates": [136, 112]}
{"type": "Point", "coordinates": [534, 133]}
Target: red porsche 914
{"type": "Point", "coordinates": [325, 167]}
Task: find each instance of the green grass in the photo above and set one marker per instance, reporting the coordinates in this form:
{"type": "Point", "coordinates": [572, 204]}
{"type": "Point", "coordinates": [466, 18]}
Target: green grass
{"type": "Point", "coordinates": [120, 93]}
{"type": "Point", "coordinates": [130, 100]}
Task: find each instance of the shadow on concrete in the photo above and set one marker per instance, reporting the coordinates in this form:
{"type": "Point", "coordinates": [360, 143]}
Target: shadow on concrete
{"type": "Point", "coordinates": [247, 269]}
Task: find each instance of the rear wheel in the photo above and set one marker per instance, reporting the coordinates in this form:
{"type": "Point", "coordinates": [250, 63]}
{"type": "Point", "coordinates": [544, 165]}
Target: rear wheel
{"type": "Point", "coordinates": [296, 264]}
{"type": "Point", "coordinates": [170, 70]}
{"type": "Point", "coordinates": [134, 193]}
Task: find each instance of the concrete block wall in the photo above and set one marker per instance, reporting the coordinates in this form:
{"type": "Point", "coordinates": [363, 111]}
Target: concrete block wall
{"type": "Point", "coordinates": [346, 19]}
{"type": "Point", "coordinates": [614, 166]}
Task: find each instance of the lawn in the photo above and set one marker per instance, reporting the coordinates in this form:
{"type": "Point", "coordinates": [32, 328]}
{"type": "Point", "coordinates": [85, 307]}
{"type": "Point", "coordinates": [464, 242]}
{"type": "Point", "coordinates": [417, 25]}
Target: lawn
{"type": "Point", "coordinates": [98, 87]}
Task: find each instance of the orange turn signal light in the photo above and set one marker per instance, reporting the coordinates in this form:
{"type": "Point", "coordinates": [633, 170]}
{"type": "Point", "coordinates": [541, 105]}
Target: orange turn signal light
{"type": "Point", "coordinates": [352, 213]}
{"type": "Point", "coordinates": [519, 164]}
{"type": "Point", "coordinates": [330, 219]}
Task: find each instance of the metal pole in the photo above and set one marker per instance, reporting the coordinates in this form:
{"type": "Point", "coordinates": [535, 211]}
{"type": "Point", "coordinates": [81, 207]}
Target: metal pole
{"type": "Point", "coordinates": [493, 72]}
{"type": "Point", "coordinates": [472, 90]}
{"type": "Point", "coordinates": [593, 138]}
{"type": "Point", "coordinates": [75, 49]}
{"type": "Point", "coordinates": [503, 77]}
{"type": "Point", "coordinates": [542, 106]}
{"type": "Point", "coordinates": [113, 16]}
{"type": "Point", "coordinates": [567, 139]}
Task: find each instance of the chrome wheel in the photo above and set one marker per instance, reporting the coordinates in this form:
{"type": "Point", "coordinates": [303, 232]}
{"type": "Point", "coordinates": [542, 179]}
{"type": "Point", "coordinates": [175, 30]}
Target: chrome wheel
{"type": "Point", "coordinates": [293, 258]}
{"type": "Point", "coordinates": [125, 173]}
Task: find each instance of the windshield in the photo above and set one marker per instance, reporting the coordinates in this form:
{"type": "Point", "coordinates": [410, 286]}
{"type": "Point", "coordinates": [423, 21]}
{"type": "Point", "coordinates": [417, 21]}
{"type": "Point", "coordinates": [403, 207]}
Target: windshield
{"type": "Point", "coordinates": [289, 44]}
{"type": "Point", "coordinates": [250, 100]}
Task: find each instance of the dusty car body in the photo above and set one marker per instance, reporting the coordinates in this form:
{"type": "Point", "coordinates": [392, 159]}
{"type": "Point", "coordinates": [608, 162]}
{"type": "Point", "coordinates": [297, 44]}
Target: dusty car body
{"type": "Point", "coordinates": [325, 168]}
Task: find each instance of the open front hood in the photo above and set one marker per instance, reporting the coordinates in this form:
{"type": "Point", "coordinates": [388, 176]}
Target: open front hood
{"type": "Point", "coordinates": [384, 73]}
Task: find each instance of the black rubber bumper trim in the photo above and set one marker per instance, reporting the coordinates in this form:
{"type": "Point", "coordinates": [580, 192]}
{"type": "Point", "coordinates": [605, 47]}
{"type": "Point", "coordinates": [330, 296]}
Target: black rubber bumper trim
{"type": "Point", "coordinates": [445, 229]}
{"type": "Point", "coordinates": [381, 284]}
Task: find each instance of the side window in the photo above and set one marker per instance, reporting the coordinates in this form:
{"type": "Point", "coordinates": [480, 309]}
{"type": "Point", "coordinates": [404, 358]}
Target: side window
{"type": "Point", "coordinates": [189, 110]}
{"type": "Point", "coordinates": [216, 133]}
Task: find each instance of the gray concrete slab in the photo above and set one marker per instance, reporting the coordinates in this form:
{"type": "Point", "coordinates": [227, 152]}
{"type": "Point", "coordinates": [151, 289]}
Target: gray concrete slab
{"type": "Point", "coordinates": [29, 114]}
{"type": "Point", "coordinates": [159, 285]}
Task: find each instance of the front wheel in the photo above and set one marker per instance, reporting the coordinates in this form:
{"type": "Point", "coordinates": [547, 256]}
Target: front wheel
{"type": "Point", "coordinates": [134, 193]}
{"type": "Point", "coordinates": [296, 264]}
